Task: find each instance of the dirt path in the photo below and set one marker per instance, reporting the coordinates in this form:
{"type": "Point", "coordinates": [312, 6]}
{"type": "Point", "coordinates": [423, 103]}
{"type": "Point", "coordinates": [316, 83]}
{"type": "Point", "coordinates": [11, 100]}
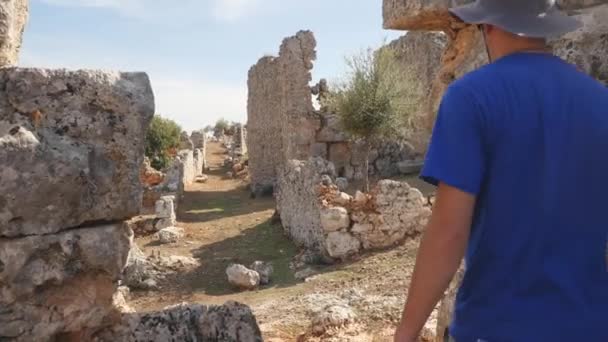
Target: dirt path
{"type": "Point", "coordinates": [224, 225]}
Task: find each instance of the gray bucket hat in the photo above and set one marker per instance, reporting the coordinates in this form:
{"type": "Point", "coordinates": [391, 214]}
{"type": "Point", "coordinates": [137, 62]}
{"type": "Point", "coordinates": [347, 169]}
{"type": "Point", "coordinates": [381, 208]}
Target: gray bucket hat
{"type": "Point", "coordinates": [528, 18]}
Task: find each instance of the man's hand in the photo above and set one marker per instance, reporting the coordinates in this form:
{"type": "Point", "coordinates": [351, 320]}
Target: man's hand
{"type": "Point", "coordinates": [440, 254]}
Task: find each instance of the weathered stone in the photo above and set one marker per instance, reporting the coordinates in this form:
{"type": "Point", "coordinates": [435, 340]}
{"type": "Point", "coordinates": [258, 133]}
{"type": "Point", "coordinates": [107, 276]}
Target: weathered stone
{"type": "Point", "coordinates": [342, 183]}
{"type": "Point", "coordinates": [199, 163]}
{"type": "Point", "coordinates": [342, 245]}
{"type": "Point", "coordinates": [163, 223]}
{"type": "Point", "coordinates": [410, 167]}
{"type": "Point", "coordinates": [185, 143]}
{"type": "Point", "coordinates": [319, 150]}
{"type": "Point", "coordinates": [281, 122]}
{"type": "Point", "coordinates": [588, 47]}
{"type": "Point", "coordinates": [242, 277]}
{"type": "Point", "coordinates": [149, 176]}
{"type": "Point", "coordinates": [231, 322]}
{"type": "Point", "coordinates": [170, 235]}
{"type": "Point", "coordinates": [298, 204]}
{"type": "Point", "coordinates": [71, 147]}
{"type": "Point", "coordinates": [332, 316]}
{"type": "Point", "coordinates": [332, 130]}
{"type": "Point", "coordinates": [140, 273]}
{"type": "Point", "coordinates": [334, 219]}
{"type": "Point", "coordinates": [164, 208]}
{"type": "Point", "coordinates": [339, 155]}
{"type": "Point", "coordinates": [265, 271]}
{"type": "Point", "coordinates": [342, 199]}
{"type": "Point", "coordinates": [61, 282]}
{"type": "Point", "coordinates": [13, 18]}
{"type": "Point", "coordinates": [400, 211]}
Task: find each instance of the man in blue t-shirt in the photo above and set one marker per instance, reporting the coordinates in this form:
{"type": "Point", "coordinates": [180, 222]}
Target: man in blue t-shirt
{"type": "Point", "coordinates": [520, 155]}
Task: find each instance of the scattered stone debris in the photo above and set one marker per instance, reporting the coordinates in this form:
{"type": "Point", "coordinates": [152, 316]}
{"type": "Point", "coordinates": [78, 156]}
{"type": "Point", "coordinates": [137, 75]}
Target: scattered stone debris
{"type": "Point", "coordinates": [242, 277]}
{"type": "Point", "coordinates": [332, 316]}
{"type": "Point", "coordinates": [265, 271]}
{"type": "Point", "coordinates": [170, 235]}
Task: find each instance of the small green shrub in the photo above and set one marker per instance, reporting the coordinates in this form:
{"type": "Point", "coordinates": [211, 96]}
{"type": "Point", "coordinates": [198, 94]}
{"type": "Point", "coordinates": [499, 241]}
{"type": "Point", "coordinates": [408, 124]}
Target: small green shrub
{"type": "Point", "coordinates": [162, 137]}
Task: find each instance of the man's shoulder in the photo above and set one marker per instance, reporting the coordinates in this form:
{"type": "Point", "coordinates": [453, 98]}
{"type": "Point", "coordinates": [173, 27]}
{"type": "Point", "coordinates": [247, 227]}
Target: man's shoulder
{"type": "Point", "coordinates": [478, 78]}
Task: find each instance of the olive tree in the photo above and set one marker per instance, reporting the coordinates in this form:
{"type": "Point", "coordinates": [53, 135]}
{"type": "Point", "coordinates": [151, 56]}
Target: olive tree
{"type": "Point", "coordinates": [376, 98]}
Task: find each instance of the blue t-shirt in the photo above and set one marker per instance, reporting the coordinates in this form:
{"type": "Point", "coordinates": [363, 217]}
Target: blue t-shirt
{"type": "Point", "coordinates": [528, 135]}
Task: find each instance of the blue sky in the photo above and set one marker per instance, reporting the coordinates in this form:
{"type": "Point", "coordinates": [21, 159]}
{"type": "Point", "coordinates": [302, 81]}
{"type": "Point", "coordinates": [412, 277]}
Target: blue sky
{"type": "Point", "coordinates": [197, 52]}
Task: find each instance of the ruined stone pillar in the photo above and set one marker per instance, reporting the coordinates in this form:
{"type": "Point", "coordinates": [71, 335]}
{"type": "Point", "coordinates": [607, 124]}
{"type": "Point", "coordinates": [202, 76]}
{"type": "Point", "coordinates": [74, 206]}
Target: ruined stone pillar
{"type": "Point", "coordinates": [13, 18]}
{"type": "Point", "coordinates": [71, 144]}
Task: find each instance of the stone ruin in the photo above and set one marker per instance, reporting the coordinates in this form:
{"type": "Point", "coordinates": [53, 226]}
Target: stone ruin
{"type": "Point", "coordinates": [280, 124]}
{"type": "Point", "coordinates": [587, 48]}
{"type": "Point", "coordinates": [71, 146]}
{"type": "Point", "coordinates": [284, 125]}
{"type": "Point", "coordinates": [317, 216]}
{"type": "Point", "coordinates": [188, 165]}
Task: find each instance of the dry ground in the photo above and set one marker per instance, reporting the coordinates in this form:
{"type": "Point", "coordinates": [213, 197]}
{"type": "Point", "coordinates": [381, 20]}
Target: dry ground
{"type": "Point", "coordinates": [224, 225]}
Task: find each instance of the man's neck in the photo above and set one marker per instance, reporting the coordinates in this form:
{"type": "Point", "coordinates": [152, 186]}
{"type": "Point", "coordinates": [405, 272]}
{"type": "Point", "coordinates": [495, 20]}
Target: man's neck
{"type": "Point", "coordinates": [521, 48]}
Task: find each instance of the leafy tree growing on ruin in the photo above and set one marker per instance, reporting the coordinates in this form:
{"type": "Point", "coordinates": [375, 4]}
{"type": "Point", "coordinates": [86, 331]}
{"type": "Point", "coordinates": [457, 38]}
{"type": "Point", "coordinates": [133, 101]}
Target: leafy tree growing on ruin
{"type": "Point", "coordinates": [162, 137]}
{"type": "Point", "coordinates": [375, 99]}
{"type": "Point", "coordinates": [221, 126]}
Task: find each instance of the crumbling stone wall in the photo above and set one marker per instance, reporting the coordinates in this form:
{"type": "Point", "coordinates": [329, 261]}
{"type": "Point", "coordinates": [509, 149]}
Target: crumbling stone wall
{"type": "Point", "coordinates": [280, 121]}
{"type": "Point", "coordinates": [387, 158]}
{"type": "Point", "coordinates": [317, 216]}
{"type": "Point", "coordinates": [298, 202]}
{"type": "Point", "coordinates": [13, 18]}
{"type": "Point", "coordinates": [587, 47]}
{"type": "Point", "coordinates": [71, 146]}
{"type": "Point", "coordinates": [199, 140]}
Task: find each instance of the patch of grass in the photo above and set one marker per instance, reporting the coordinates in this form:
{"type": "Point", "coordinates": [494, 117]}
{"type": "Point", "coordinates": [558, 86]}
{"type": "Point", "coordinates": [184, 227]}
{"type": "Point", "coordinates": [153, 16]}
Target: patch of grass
{"type": "Point", "coordinates": [264, 242]}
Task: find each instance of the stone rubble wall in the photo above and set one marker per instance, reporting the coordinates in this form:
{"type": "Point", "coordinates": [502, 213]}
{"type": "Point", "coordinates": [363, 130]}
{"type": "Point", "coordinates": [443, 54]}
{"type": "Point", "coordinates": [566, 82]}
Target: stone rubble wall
{"type": "Point", "coordinates": [318, 217]}
{"type": "Point", "coordinates": [71, 147]}
{"type": "Point", "coordinates": [386, 159]}
{"type": "Point", "coordinates": [13, 18]}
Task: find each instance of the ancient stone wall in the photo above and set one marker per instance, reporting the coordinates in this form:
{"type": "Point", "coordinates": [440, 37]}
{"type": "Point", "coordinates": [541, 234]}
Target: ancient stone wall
{"type": "Point", "coordinates": [387, 158]}
{"type": "Point", "coordinates": [200, 142]}
{"type": "Point", "coordinates": [264, 122]}
{"type": "Point", "coordinates": [587, 47]}
{"type": "Point", "coordinates": [317, 216]}
{"type": "Point", "coordinates": [13, 18]}
{"type": "Point", "coordinates": [298, 202]}
{"type": "Point", "coordinates": [280, 124]}
{"type": "Point", "coordinates": [71, 146]}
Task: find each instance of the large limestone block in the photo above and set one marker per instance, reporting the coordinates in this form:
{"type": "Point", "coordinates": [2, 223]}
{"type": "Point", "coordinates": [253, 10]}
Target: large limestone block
{"type": "Point", "coordinates": [71, 145]}
{"type": "Point", "coordinates": [428, 15]}
{"type": "Point", "coordinates": [229, 322]}
{"type": "Point", "coordinates": [588, 47]}
{"type": "Point", "coordinates": [60, 283]}
{"type": "Point", "coordinates": [13, 17]}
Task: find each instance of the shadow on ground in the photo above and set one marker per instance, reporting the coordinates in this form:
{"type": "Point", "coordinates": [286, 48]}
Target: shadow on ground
{"type": "Point", "coordinates": [264, 242]}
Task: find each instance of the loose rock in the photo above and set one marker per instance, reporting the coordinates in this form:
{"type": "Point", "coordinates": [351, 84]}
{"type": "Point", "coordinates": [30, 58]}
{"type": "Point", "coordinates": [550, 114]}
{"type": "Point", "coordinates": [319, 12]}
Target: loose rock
{"type": "Point", "coordinates": [170, 235]}
{"type": "Point", "coordinates": [242, 277]}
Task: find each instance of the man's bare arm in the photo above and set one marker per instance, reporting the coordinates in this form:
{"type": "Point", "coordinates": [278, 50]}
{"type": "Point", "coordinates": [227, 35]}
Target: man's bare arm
{"type": "Point", "coordinates": [441, 252]}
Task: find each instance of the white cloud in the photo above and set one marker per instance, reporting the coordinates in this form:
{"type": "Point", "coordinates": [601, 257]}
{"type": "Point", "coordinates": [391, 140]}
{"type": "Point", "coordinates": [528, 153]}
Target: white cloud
{"type": "Point", "coordinates": [221, 10]}
{"type": "Point", "coordinates": [231, 10]}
